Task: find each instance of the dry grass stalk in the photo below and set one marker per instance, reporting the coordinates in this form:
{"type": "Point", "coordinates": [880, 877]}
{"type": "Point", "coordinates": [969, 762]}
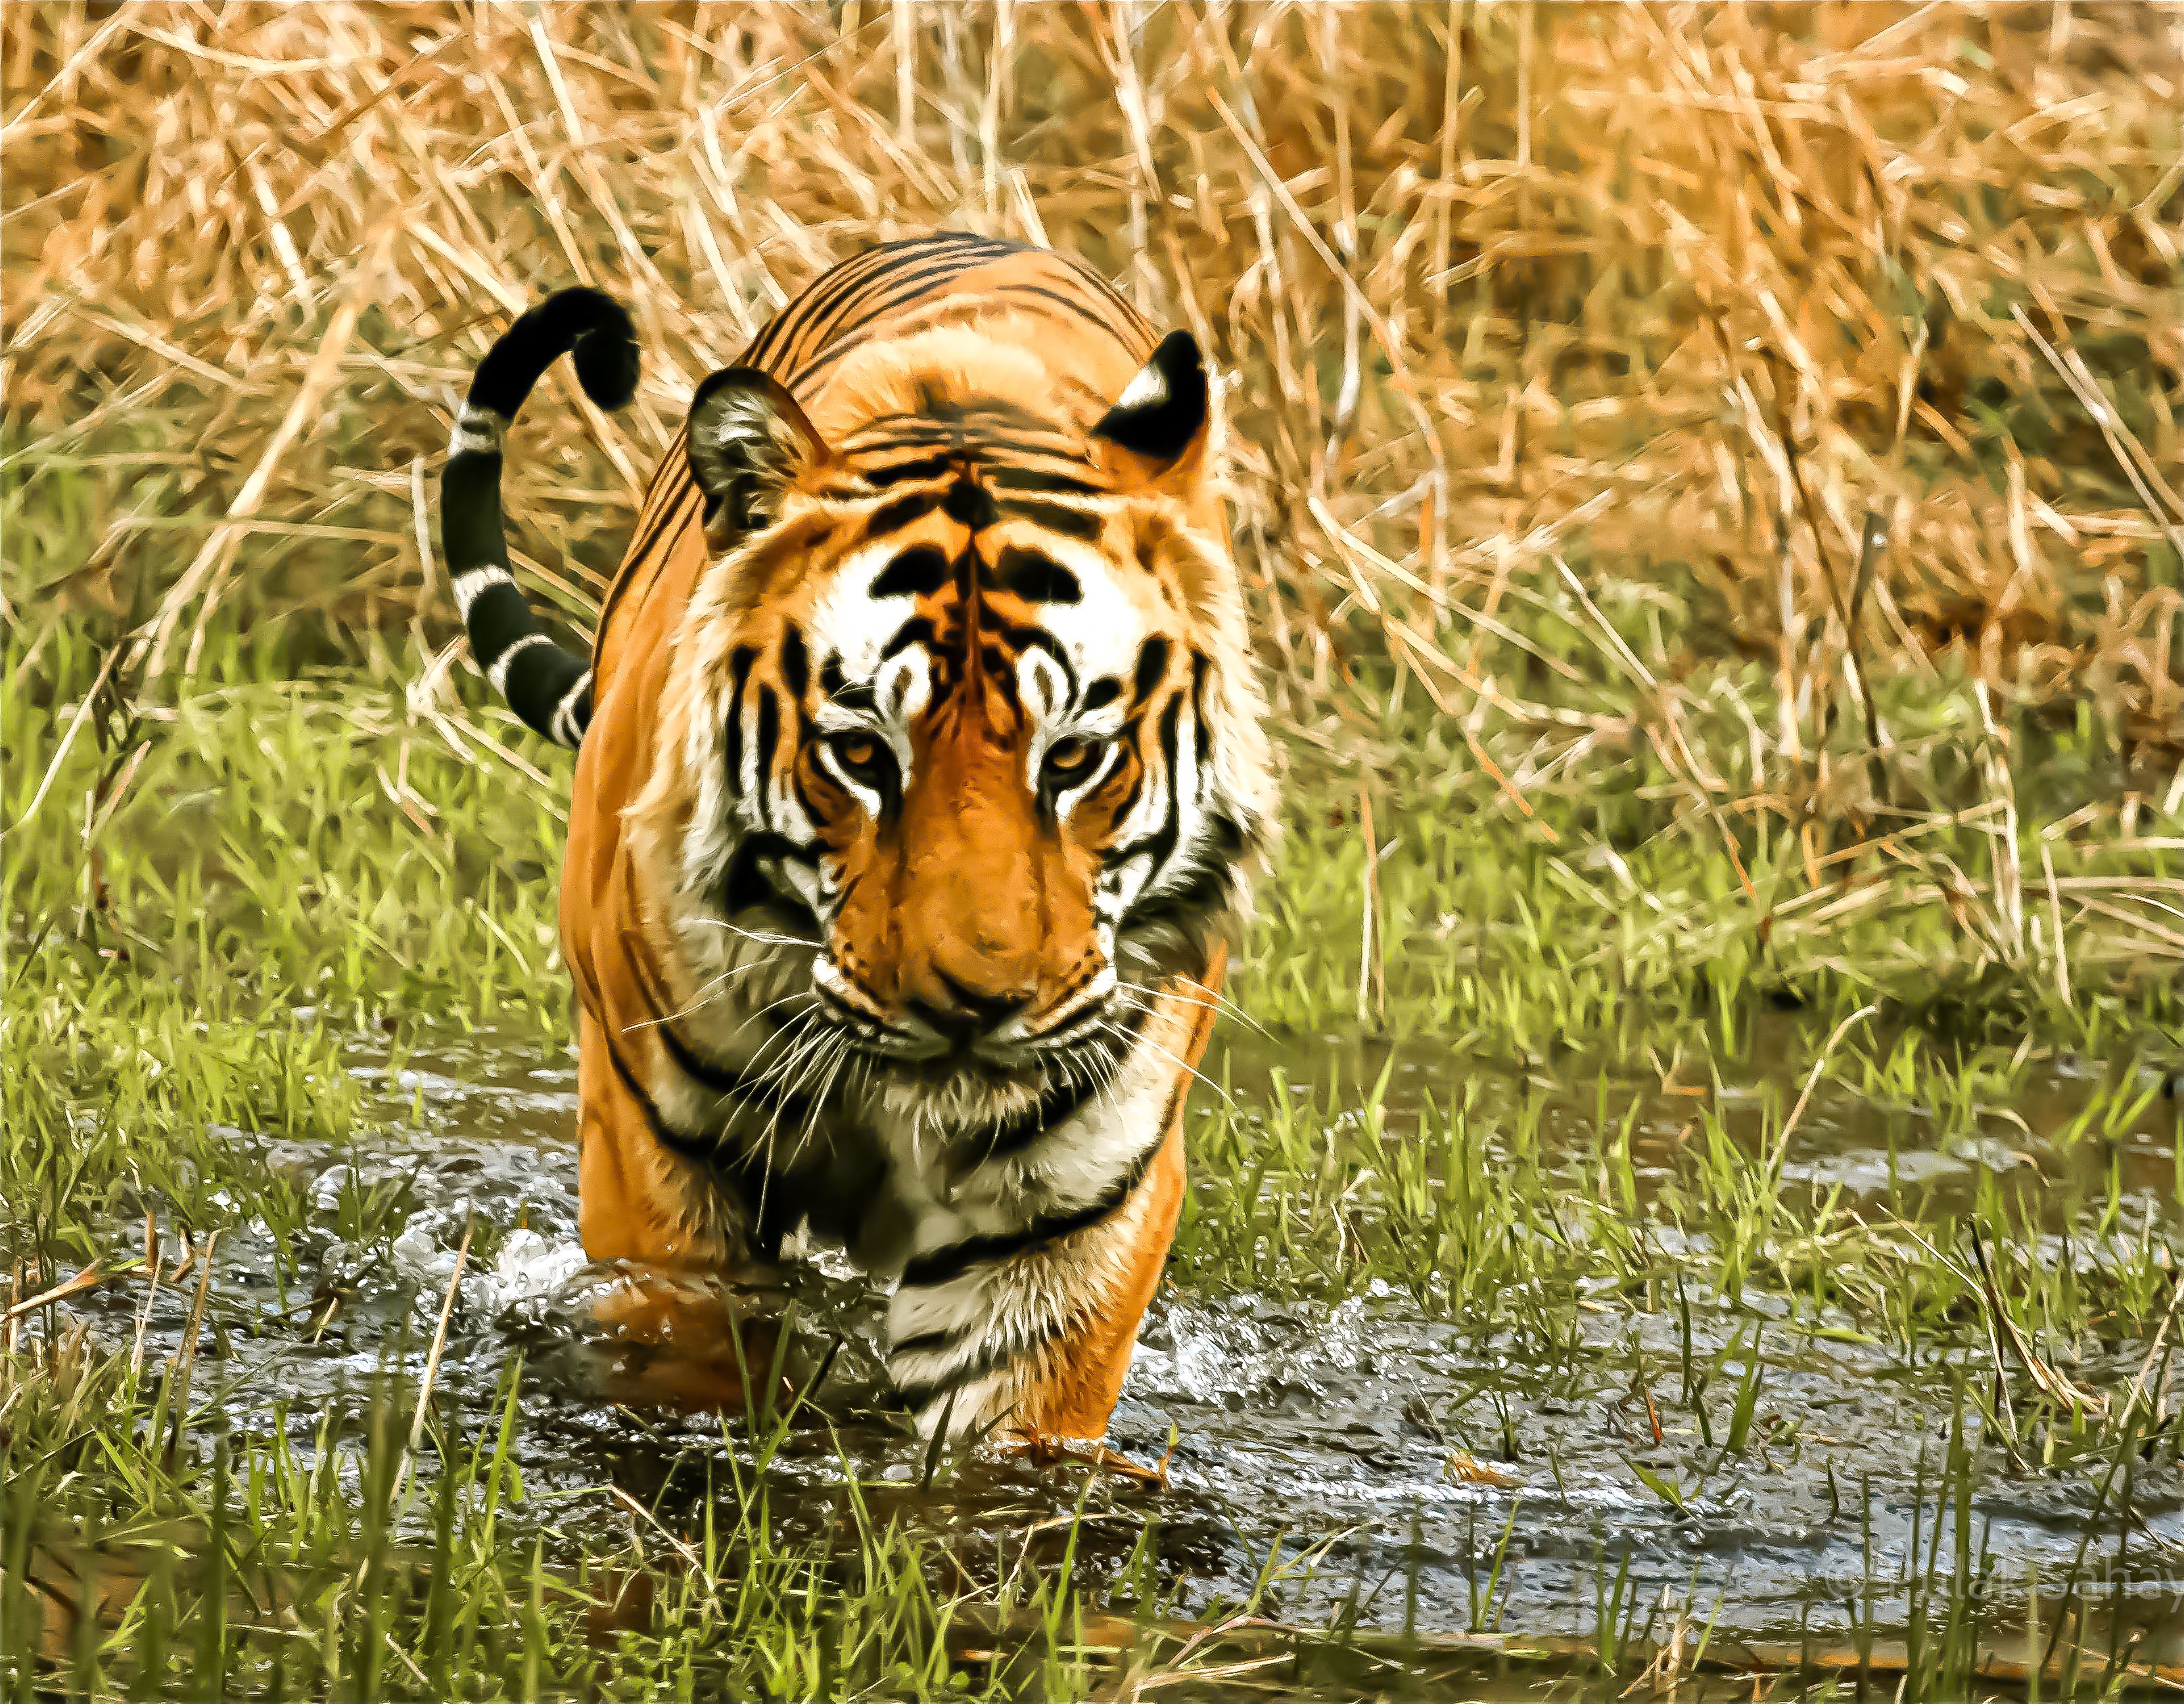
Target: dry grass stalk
{"type": "Point", "coordinates": [1680, 295]}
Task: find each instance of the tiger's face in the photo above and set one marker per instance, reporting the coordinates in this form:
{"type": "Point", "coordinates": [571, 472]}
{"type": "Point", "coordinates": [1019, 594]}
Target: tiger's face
{"type": "Point", "coordinates": [977, 733]}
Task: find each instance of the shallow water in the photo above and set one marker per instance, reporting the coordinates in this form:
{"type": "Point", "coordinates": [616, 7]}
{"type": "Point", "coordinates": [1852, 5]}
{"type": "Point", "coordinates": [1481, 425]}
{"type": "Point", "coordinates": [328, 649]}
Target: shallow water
{"type": "Point", "coordinates": [1404, 1470]}
{"type": "Point", "coordinates": [1884, 1150]}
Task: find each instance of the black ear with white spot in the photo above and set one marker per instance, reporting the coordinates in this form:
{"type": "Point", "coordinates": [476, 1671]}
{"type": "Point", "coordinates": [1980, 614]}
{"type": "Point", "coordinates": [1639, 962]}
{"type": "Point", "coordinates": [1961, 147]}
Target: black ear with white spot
{"type": "Point", "coordinates": [1161, 417]}
{"type": "Point", "coordinates": [750, 441]}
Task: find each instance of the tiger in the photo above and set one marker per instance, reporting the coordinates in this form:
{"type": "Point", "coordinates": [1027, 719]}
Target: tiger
{"type": "Point", "coordinates": [921, 785]}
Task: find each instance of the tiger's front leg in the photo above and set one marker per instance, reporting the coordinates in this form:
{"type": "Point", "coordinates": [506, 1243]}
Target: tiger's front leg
{"type": "Point", "coordinates": [689, 1303]}
{"type": "Point", "coordinates": [1027, 1330]}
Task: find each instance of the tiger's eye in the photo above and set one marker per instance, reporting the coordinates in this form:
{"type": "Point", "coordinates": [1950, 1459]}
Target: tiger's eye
{"type": "Point", "coordinates": [1070, 760]}
{"type": "Point", "coordinates": [861, 757]}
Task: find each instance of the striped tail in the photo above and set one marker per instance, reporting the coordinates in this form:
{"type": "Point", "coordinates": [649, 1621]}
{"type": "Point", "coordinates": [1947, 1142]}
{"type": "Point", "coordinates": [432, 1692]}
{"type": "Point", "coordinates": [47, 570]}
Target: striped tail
{"type": "Point", "coordinates": [550, 687]}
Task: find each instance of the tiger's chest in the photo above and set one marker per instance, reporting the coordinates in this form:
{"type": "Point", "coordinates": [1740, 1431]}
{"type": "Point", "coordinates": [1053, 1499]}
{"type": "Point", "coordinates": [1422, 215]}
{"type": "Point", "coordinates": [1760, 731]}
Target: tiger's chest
{"type": "Point", "coordinates": [861, 1166]}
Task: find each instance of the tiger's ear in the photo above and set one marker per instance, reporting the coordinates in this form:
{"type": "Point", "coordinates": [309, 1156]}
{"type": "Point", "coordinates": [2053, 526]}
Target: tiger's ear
{"type": "Point", "coordinates": [750, 441]}
{"type": "Point", "coordinates": [1157, 428]}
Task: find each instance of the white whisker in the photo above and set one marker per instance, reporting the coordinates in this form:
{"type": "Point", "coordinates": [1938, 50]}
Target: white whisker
{"type": "Point", "coordinates": [1219, 1002]}
{"type": "Point", "coordinates": [795, 1069]}
{"type": "Point", "coordinates": [753, 935]}
{"type": "Point", "coordinates": [704, 999]}
{"type": "Point", "coordinates": [1187, 1070]}
{"type": "Point", "coordinates": [839, 1058]}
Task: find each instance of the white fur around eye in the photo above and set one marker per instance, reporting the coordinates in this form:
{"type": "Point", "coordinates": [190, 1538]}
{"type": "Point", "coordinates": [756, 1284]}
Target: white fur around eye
{"type": "Point", "coordinates": [904, 687]}
{"type": "Point", "coordinates": [1041, 682]}
{"type": "Point", "coordinates": [1066, 800]}
{"type": "Point", "coordinates": [849, 783]}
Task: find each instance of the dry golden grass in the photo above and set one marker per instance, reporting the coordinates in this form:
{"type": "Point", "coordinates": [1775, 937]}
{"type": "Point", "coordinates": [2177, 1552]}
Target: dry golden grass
{"type": "Point", "coordinates": [1830, 337]}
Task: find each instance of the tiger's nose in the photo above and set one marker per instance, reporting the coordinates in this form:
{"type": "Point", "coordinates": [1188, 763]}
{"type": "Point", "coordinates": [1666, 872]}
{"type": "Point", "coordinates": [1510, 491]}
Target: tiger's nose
{"type": "Point", "coordinates": [964, 1011]}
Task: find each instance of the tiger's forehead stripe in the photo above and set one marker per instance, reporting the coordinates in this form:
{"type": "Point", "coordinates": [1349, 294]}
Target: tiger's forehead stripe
{"type": "Point", "coordinates": [952, 532]}
{"type": "Point", "coordinates": [1018, 454]}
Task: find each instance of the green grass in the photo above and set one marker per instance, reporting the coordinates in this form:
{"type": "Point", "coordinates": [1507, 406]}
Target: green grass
{"type": "Point", "coordinates": [1545, 1078]}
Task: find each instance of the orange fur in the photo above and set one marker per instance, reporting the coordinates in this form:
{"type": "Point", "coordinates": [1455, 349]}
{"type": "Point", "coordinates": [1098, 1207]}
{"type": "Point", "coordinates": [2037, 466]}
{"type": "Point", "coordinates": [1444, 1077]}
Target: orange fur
{"type": "Point", "coordinates": [1087, 1368]}
{"type": "Point", "coordinates": [966, 889]}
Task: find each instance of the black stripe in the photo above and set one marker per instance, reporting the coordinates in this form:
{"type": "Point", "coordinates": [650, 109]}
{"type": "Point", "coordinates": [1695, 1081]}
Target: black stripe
{"type": "Point", "coordinates": [892, 288]}
{"type": "Point", "coordinates": [1162, 845]}
{"type": "Point", "coordinates": [928, 436]}
{"type": "Point", "coordinates": [924, 1391]}
{"type": "Point", "coordinates": [740, 668]}
{"type": "Point", "coordinates": [816, 300]}
{"type": "Point", "coordinates": [969, 505]}
{"type": "Point", "coordinates": [792, 747]}
{"type": "Point", "coordinates": [1153, 664]}
{"type": "Point", "coordinates": [690, 1147]}
{"type": "Point", "coordinates": [899, 472]}
{"type": "Point", "coordinates": [745, 887]}
{"type": "Point", "coordinates": [538, 677]}
{"type": "Point", "coordinates": [1077, 523]}
{"type": "Point", "coordinates": [1161, 842]}
{"type": "Point", "coordinates": [990, 454]}
{"type": "Point", "coordinates": [795, 662]}
{"type": "Point", "coordinates": [689, 498]}
{"type": "Point", "coordinates": [897, 290]}
{"type": "Point", "coordinates": [917, 630]}
{"type": "Point", "coordinates": [851, 695]}
{"type": "Point", "coordinates": [1009, 446]}
{"type": "Point", "coordinates": [943, 1265]}
{"type": "Point", "coordinates": [790, 1106]}
{"type": "Point", "coordinates": [769, 735]}
{"type": "Point", "coordinates": [1013, 1134]}
{"type": "Point", "coordinates": [733, 1085]}
{"type": "Point", "coordinates": [821, 296]}
{"type": "Point", "coordinates": [1033, 576]}
{"type": "Point", "coordinates": [677, 511]}
{"type": "Point", "coordinates": [811, 811]}
{"type": "Point", "coordinates": [1030, 639]}
{"type": "Point", "coordinates": [657, 997]}
{"type": "Point", "coordinates": [974, 410]}
{"type": "Point", "coordinates": [1041, 479]}
{"type": "Point", "coordinates": [1131, 316]}
{"type": "Point", "coordinates": [1200, 664]}
{"type": "Point", "coordinates": [1109, 860]}
{"type": "Point", "coordinates": [1083, 310]}
{"type": "Point", "coordinates": [715, 1078]}
{"type": "Point", "coordinates": [1208, 889]}
{"type": "Point", "coordinates": [919, 572]}
{"type": "Point", "coordinates": [892, 518]}
{"type": "Point", "coordinates": [843, 345]}
{"type": "Point", "coordinates": [1104, 690]}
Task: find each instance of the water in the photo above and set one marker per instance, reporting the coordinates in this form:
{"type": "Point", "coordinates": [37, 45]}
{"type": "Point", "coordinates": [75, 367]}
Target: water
{"type": "Point", "coordinates": [1402, 1470]}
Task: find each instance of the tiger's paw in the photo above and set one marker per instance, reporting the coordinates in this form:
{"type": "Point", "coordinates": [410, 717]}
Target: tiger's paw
{"type": "Point", "coordinates": [1047, 1449]}
{"type": "Point", "coordinates": [693, 1343]}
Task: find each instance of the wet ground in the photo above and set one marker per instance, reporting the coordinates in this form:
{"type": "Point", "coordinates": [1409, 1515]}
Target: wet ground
{"type": "Point", "coordinates": [1395, 1468]}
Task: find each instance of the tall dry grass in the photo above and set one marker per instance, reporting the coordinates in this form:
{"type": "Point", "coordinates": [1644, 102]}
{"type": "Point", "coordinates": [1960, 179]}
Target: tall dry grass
{"type": "Point", "coordinates": [1846, 336]}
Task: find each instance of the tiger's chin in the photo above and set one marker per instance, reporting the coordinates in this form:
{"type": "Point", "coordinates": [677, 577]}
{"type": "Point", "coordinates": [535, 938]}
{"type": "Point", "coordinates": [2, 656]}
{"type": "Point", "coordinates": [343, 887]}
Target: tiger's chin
{"type": "Point", "coordinates": [959, 1096]}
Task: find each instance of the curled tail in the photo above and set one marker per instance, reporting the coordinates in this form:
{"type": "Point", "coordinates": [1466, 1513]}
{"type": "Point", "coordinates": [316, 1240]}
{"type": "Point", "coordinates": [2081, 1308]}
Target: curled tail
{"type": "Point", "coordinates": [550, 687]}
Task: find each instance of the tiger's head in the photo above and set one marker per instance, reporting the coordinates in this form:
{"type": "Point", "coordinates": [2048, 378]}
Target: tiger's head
{"type": "Point", "coordinates": [961, 715]}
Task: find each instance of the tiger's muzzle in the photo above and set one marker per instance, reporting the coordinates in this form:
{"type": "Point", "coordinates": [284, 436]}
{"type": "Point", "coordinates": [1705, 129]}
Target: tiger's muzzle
{"type": "Point", "coordinates": [992, 1026]}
